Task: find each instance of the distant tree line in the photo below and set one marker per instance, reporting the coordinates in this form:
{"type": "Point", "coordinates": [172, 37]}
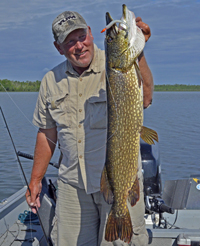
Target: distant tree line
{"type": "Point", "coordinates": [177, 87]}
{"type": "Point", "coordinates": [10, 85]}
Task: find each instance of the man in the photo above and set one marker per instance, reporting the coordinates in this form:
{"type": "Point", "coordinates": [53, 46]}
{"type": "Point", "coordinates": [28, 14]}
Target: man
{"type": "Point", "coordinates": [71, 108]}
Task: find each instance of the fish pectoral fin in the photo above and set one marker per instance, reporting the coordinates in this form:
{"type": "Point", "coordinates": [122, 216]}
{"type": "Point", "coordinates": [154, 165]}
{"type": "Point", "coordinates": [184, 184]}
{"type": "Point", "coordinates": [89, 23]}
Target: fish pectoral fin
{"type": "Point", "coordinates": [148, 135]}
{"type": "Point", "coordinates": [106, 188]}
{"type": "Point", "coordinates": [134, 192]}
{"type": "Point", "coordinates": [138, 73]}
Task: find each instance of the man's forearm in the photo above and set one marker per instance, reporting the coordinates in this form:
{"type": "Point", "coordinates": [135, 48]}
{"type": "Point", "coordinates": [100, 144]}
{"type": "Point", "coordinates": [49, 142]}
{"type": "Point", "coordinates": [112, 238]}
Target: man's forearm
{"type": "Point", "coordinates": [147, 77]}
{"type": "Point", "coordinates": [45, 146]}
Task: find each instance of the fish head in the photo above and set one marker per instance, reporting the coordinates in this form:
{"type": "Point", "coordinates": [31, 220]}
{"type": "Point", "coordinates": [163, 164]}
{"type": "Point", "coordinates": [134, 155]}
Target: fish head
{"type": "Point", "coordinates": [123, 42]}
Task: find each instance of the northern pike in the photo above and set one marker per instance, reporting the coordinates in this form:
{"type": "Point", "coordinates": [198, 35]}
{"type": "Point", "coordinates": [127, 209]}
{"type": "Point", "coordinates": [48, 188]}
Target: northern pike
{"type": "Point", "coordinates": [119, 182]}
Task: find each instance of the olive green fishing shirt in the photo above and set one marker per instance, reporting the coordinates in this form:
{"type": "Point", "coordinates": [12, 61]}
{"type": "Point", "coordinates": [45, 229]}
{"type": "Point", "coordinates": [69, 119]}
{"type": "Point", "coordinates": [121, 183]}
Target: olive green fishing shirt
{"type": "Point", "coordinates": [76, 105]}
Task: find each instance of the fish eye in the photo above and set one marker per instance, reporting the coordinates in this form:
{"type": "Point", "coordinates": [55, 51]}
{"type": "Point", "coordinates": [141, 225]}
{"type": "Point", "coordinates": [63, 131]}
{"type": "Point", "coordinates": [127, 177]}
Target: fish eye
{"type": "Point", "coordinates": [110, 40]}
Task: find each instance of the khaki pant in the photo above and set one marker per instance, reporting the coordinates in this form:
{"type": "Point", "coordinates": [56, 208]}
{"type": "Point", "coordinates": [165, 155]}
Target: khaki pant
{"type": "Point", "coordinates": [81, 219]}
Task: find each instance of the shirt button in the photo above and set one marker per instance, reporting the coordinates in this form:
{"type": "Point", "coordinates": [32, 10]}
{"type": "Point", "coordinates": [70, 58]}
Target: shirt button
{"type": "Point", "coordinates": [80, 156]}
{"type": "Point", "coordinates": [81, 79]}
{"type": "Point", "coordinates": [79, 125]}
{"type": "Point", "coordinates": [80, 95]}
{"type": "Point", "coordinates": [79, 141]}
{"type": "Point", "coordinates": [80, 110]}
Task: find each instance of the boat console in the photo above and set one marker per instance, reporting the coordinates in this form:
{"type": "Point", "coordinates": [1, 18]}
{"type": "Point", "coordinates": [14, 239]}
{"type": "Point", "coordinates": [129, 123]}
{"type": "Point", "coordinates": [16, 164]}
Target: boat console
{"type": "Point", "coordinates": [172, 212]}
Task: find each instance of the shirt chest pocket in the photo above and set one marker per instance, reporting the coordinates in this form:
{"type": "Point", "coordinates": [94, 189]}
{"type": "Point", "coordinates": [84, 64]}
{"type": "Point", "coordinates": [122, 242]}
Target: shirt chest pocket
{"type": "Point", "coordinates": [58, 107]}
{"type": "Point", "coordinates": [98, 111]}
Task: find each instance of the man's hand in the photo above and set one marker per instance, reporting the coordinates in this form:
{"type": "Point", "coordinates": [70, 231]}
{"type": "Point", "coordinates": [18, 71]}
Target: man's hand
{"type": "Point", "coordinates": [147, 77]}
{"type": "Point", "coordinates": [33, 199]}
{"type": "Point", "coordinates": [45, 145]}
{"type": "Point", "coordinates": [144, 27]}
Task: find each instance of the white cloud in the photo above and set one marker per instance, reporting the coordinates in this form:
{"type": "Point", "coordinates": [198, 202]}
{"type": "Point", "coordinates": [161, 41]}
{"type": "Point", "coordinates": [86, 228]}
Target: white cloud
{"type": "Point", "coordinates": [45, 70]}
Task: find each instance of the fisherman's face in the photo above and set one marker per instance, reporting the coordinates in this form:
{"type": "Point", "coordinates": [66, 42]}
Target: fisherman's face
{"type": "Point", "coordinates": [78, 48]}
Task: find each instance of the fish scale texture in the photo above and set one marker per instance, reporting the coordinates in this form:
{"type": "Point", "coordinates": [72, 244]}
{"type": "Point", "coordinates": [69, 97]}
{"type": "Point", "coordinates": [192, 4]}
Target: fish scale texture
{"type": "Point", "coordinates": [125, 116]}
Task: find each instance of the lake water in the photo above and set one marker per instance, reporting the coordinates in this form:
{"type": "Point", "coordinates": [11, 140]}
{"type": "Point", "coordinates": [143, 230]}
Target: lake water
{"type": "Point", "coordinates": [174, 115]}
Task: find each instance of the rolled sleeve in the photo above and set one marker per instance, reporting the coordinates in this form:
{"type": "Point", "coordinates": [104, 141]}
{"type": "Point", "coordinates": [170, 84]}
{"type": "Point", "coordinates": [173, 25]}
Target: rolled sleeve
{"type": "Point", "coordinates": [41, 116]}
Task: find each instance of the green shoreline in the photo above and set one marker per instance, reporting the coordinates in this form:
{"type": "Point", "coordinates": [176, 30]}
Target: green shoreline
{"type": "Point", "coordinates": [177, 87]}
{"type": "Point", "coordinates": [28, 86]}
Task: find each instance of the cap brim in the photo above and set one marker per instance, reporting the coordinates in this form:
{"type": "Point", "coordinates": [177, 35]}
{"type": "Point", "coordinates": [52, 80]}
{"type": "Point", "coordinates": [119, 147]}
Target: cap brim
{"type": "Point", "coordinates": [62, 37]}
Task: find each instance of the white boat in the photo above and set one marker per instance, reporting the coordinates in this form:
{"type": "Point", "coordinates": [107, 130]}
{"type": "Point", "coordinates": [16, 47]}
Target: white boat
{"type": "Point", "coordinates": [172, 214]}
{"type": "Point", "coordinates": [19, 226]}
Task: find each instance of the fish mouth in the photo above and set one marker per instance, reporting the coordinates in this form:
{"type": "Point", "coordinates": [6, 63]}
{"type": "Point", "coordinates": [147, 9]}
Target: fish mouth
{"type": "Point", "coordinates": [111, 25]}
{"type": "Point", "coordinates": [124, 40]}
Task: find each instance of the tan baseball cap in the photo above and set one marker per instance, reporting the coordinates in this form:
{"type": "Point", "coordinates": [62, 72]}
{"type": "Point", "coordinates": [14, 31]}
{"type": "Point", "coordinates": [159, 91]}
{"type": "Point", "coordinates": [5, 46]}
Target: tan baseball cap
{"type": "Point", "coordinates": [65, 23]}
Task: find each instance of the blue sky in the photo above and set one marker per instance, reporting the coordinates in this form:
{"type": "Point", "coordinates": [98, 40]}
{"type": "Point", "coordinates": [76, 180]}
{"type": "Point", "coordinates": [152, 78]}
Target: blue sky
{"type": "Point", "coordinates": [173, 53]}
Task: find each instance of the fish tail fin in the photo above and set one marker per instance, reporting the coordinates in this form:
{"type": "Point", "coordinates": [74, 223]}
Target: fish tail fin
{"type": "Point", "coordinates": [134, 192]}
{"type": "Point", "coordinates": [148, 135]}
{"type": "Point", "coordinates": [119, 227]}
